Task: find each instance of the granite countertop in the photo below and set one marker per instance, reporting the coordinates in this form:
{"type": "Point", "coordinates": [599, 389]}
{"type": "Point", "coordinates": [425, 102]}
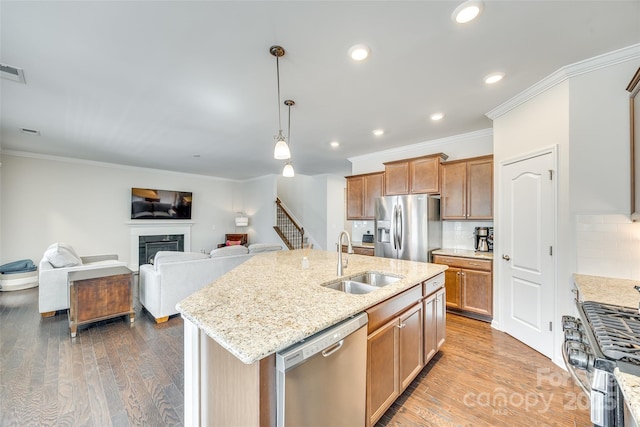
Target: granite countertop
{"type": "Point", "coordinates": [464, 253]}
{"type": "Point", "coordinates": [270, 302]}
{"type": "Point", "coordinates": [630, 386]}
{"type": "Point", "coordinates": [607, 290]}
{"type": "Point", "coordinates": [617, 292]}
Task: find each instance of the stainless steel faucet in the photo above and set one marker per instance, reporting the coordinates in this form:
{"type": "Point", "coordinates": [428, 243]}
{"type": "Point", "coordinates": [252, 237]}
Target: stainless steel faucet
{"type": "Point", "coordinates": [349, 249]}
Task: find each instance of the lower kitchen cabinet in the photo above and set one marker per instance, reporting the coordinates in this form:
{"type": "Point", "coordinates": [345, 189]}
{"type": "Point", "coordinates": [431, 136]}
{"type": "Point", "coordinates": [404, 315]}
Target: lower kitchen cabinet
{"type": "Point", "coordinates": [399, 329]}
{"type": "Point", "coordinates": [434, 324]}
{"type": "Point", "coordinates": [469, 286]}
{"type": "Point", "coordinates": [394, 360]}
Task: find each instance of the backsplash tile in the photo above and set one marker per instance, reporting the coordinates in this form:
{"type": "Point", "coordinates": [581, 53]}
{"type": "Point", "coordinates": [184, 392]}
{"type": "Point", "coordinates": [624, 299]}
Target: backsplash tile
{"type": "Point", "coordinates": [459, 234]}
{"type": "Point", "coordinates": [608, 245]}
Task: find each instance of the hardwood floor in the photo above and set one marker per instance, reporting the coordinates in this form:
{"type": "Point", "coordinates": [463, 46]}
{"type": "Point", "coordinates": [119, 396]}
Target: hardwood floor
{"type": "Point", "coordinates": [484, 377]}
{"type": "Point", "coordinates": [115, 375]}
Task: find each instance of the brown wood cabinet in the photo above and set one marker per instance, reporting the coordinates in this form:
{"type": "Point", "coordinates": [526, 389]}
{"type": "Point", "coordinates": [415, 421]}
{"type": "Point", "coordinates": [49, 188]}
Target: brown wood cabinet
{"type": "Point", "coordinates": [467, 189]}
{"type": "Point", "coordinates": [362, 191]}
{"type": "Point", "coordinates": [394, 349]}
{"type": "Point", "coordinates": [434, 324]}
{"type": "Point", "coordinates": [400, 331]}
{"type": "Point", "coordinates": [469, 285]}
{"type": "Point", "coordinates": [360, 250]}
{"type": "Point", "coordinates": [419, 175]}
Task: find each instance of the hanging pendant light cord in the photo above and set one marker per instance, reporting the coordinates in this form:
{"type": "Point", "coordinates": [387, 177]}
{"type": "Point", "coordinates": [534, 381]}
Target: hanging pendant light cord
{"type": "Point", "coordinates": [278, 75]}
{"type": "Point", "coordinates": [289, 129]}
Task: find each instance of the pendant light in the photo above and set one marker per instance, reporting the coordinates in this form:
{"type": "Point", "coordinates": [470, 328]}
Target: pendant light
{"type": "Point", "coordinates": [288, 171]}
{"type": "Point", "coordinates": [281, 150]}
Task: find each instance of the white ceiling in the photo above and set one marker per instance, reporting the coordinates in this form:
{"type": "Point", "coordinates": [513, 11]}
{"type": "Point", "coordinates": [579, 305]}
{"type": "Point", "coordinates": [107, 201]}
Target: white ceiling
{"type": "Point", "coordinates": [152, 83]}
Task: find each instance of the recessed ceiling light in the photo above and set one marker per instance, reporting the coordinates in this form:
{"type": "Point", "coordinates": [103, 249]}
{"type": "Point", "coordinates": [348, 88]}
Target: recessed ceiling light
{"type": "Point", "coordinates": [334, 144]}
{"type": "Point", "coordinates": [467, 11]}
{"type": "Point", "coordinates": [378, 132]}
{"type": "Point", "coordinates": [493, 78]}
{"type": "Point", "coordinates": [359, 52]}
{"type": "Point", "coordinates": [436, 116]}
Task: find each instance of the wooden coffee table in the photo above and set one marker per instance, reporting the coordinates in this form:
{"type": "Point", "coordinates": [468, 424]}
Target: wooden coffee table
{"type": "Point", "coordinates": [99, 294]}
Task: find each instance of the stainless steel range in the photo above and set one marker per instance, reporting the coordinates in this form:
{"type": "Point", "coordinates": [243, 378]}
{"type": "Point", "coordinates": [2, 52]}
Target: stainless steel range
{"type": "Point", "coordinates": [602, 338]}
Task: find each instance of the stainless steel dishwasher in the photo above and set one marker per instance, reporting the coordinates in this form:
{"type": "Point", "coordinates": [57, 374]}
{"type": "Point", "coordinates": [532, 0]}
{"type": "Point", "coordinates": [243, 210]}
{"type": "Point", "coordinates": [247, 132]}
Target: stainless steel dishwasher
{"type": "Point", "coordinates": [322, 380]}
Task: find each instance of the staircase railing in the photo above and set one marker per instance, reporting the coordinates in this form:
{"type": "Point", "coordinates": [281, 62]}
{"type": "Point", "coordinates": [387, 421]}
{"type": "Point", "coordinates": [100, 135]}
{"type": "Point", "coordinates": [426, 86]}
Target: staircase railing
{"type": "Point", "coordinates": [289, 231]}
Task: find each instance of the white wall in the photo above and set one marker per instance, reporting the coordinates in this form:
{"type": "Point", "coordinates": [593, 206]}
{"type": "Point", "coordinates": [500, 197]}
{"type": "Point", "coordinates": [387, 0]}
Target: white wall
{"type": "Point", "coordinates": [586, 117]}
{"type": "Point", "coordinates": [318, 203]}
{"type": "Point", "coordinates": [461, 146]}
{"type": "Point", "coordinates": [87, 204]}
{"type": "Point", "coordinates": [258, 202]}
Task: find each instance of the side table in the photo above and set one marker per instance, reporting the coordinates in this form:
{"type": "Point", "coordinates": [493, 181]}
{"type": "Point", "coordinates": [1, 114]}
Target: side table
{"type": "Point", "coordinates": [99, 294]}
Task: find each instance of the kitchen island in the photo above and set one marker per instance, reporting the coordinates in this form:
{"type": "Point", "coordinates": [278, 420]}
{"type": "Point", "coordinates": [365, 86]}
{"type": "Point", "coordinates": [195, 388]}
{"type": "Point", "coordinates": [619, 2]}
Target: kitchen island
{"type": "Point", "coordinates": [234, 327]}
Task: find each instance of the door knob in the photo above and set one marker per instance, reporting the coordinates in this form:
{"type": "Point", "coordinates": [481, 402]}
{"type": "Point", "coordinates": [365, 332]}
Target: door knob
{"type": "Point", "coordinates": [506, 257]}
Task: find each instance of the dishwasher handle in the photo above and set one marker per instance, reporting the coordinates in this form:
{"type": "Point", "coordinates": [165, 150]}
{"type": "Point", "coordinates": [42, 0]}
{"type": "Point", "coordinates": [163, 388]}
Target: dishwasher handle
{"type": "Point", "coordinates": [330, 350]}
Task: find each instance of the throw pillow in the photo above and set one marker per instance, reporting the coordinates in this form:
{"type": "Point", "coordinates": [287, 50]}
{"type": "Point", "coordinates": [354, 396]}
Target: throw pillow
{"type": "Point", "coordinates": [62, 255]}
{"type": "Point", "coordinates": [233, 242]}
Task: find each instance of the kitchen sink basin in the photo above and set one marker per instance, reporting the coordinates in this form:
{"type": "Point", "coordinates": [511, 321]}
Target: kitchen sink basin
{"type": "Point", "coordinates": [351, 287]}
{"type": "Point", "coordinates": [363, 283]}
{"type": "Point", "coordinates": [375, 279]}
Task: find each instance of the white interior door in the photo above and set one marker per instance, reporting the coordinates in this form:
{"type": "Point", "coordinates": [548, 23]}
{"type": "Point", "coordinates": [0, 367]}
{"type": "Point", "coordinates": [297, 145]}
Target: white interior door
{"type": "Point", "coordinates": [527, 279]}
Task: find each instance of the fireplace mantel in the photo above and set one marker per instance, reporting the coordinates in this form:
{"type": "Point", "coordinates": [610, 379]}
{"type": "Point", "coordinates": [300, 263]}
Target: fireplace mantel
{"type": "Point", "coordinates": [154, 227]}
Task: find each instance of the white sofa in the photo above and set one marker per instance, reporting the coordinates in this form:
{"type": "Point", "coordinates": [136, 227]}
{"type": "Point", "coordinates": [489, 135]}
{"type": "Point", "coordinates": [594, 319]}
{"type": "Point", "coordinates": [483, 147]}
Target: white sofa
{"type": "Point", "coordinates": [59, 259]}
{"type": "Point", "coordinates": [176, 275]}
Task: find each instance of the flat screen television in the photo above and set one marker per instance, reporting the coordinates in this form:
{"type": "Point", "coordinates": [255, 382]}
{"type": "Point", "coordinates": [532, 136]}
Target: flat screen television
{"type": "Point", "coordinates": [148, 203]}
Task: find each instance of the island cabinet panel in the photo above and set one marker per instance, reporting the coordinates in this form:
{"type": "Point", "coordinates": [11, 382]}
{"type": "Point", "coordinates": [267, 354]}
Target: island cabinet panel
{"type": "Point", "coordinates": [220, 390]}
{"type": "Point", "coordinates": [383, 384]}
{"type": "Point", "coordinates": [362, 192]}
{"type": "Point", "coordinates": [434, 324]}
{"type": "Point", "coordinates": [395, 349]}
{"type": "Point", "coordinates": [410, 343]}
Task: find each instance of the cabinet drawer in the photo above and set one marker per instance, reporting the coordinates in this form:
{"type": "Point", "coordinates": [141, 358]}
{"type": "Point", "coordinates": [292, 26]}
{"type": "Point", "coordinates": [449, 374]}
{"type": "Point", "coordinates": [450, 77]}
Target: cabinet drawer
{"type": "Point", "coordinates": [381, 313]}
{"type": "Point", "coordinates": [472, 264]}
{"type": "Point", "coordinates": [432, 285]}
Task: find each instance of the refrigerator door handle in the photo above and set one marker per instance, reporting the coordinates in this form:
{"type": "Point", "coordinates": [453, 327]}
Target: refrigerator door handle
{"type": "Point", "coordinates": [395, 226]}
{"type": "Point", "coordinates": [399, 225]}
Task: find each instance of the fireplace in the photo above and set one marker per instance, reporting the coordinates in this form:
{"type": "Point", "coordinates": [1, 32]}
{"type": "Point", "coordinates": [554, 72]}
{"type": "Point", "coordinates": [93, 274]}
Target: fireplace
{"type": "Point", "coordinates": [142, 228]}
{"type": "Point", "coordinates": [149, 245]}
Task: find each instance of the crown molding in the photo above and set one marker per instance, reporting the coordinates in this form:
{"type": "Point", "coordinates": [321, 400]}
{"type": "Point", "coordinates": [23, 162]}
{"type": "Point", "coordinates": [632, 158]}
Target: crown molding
{"type": "Point", "coordinates": [400, 152]}
{"type": "Point", "coordinates": [608, 59]}
{"type": "Point", "coordinates": [49, 157]}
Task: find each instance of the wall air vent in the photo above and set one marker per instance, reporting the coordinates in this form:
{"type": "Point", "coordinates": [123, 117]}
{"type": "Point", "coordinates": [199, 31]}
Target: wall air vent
{"type": "Point", "coordinates": [12, 73]}
{"type": "Point", "coordinates": [30, 131]}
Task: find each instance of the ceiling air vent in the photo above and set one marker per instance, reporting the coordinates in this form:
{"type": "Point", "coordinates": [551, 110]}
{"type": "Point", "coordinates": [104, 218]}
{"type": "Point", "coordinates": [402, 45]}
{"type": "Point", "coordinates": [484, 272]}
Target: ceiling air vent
{"type": "Point", "coordinates": [12, 73]}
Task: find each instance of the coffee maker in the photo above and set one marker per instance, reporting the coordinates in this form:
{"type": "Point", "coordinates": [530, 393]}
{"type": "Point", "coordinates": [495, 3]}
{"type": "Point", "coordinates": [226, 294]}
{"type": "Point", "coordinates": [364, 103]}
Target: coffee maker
{"type": "Point", "coordinates": [482, 239]}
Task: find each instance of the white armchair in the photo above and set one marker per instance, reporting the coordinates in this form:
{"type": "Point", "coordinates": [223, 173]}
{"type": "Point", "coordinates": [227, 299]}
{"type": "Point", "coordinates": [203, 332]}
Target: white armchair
{"type": "Point", "coordinates": [59, 259]}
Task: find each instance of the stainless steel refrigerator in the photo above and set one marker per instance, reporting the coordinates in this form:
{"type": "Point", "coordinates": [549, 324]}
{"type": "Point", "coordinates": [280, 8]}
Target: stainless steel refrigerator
{"type": "Point", "coordinates": [408, 227]}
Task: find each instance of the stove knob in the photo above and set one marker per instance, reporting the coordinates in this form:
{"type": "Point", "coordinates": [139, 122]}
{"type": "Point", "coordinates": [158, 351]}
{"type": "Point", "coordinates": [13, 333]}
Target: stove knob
{"type": "Point", "coordinates": [575, 345]}
{"type": "Point", "coordinates": [580, 359]}
{"type": "Point", "coordinates": [573, 335]}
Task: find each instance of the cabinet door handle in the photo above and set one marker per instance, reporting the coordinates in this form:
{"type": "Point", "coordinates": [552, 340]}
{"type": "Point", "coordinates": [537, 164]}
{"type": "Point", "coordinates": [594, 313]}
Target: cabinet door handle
{"type": "Point", "coordinates": [402, 325]}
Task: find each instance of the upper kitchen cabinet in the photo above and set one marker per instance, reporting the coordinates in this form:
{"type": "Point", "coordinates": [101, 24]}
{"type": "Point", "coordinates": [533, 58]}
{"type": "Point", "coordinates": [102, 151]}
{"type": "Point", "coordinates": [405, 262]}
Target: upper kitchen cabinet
{"type": "Point", "coordinates": [419, 175]}
{"type": "Point", "coordinates": [467, 189]}
{"type": "Point", "coordinates": [362, 191]}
